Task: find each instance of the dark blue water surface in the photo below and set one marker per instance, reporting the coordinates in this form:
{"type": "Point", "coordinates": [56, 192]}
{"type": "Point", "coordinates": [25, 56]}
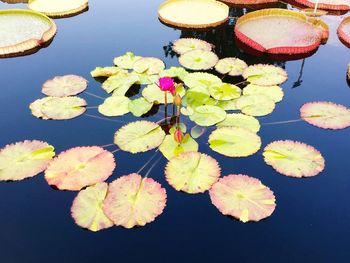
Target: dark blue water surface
{"type": "Point", "coordinates": [310, 224]}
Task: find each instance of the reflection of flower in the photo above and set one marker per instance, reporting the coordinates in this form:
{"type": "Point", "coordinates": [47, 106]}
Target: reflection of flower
{"type": "Point", "coordinates": [178, 135]}
{"type": "Point", "coordinates": [167, 84]}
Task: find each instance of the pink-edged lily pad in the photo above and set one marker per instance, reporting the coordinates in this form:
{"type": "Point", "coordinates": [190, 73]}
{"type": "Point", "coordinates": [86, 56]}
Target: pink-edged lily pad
{"type": "Point", "coordinates": [62, 86]}
{"type": "Point", "coordinates": [326, 115]}
{"type": "Point", "coordinates": [344, 31]}
{"type": "Point", "coordinates": [134, 201]}
{"type": "Point", "coordinates": [295, 159]}
{"type": "Point", "coordinates": [79, 167]}
{"type": "Point", "coordinates": [336, 5]}
{"type": "Point", "coordinates": [242, 197]}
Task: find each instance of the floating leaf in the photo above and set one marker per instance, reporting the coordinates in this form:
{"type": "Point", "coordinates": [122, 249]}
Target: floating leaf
{"type": "Point", "coordinates": [170, 148]}
{"type": "Point", "coordinates": [139, 106]}
{"type": "Point", "coordinates": [234, 142]}
{"type": "Point", "coordinates": [197, 131]}
{"type": "Point", "coordinates": [58, 108]}
{"type": "Point", "coordinates": [134, 201]}
{"type": "Point", "coordinates": [198, 59]}
{"type": "Point", "coordinates": [227, 104]}
{"type": "Point", "coordinates": [120, 83]}
{"type": "Point", "coordinates": [192, 172]}
{"type": "Point", "coordinates": [139, 136]}
{"type": "Point", "coordinates": [314, 13]}
{"type": "Point", "coordinates": [255, 105]}
{"type": "Point", "coordinates": [344, 31]}
{"type": "Point", "coordinates": [114, 106]}
{"type": "Point", "coordinates": [87, 208]}
{"type": "Point", "coordinates": [58, 8]}
{"type": "Point", "coordinates": [174, 72]}
{"type": "Point", "coordinates": [79, 167]}
{"type": "Point", "coordinates": [182, 127]}
{"type": "Point", "coordinates": [63, 86]}
{"type": "Point", "coordinates": [107, 71]}
{"type": "Point", "coordinates": [23, 31]}
{"type": "Point", "coordinates": [231, 66]}
{"type": "Point", "coordinates": [280, 31]}
{"type": "Point", "coordinates": [207, 115]}
{"type": "Point", "coordinates": [326, 4]}
{"type": "Point", "coordinates": [294, 159]}
{"type": "Point", "coordinates": [225, 92]}
{"type": "Point", "coordinates": [273, 92]}
{"type": "Point", "coordinates": [24, 159]}
{"type": "Point", "coordinates": [326, 115]}
{"type": "Point", "coordinates": [149, 66]}
{"type": "Point", "coordinates": [193, 14]}
{"type": "Point", "coordinates": [184, 45]}
{"type": "Point", "coordinates": [145, 79]}
{"type": "Point", "coordinates": [201, 79]}
{"type": "Point", "coordinates": [126, 61]}
{"type": "Point", "coordinates": [241, 121]}
{"type": "Point", "coordinates": [243, 197]}
{"type": "Point", "coordinates": [196, 96]}
{"type": "Point", "coordinates": [265, 75]}
{"type": "Point", "coordinates": [153, 94]}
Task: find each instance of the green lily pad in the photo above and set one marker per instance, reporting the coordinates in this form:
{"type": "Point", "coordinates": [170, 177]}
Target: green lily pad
{"type": "Point", "coordinates": [255, 105]}
{"type": "Point", "coordinates": [139, 136]}
{"type": "Point", "coordinates": [208, 115]}
{"type": "Point", "coordinates": [126, 61]}
{"type": "Point", "coordinates": [225, 92]}
{"type": "Point", "coordinates": [273, 92]}
{"type": "Point", "coordinates": [201, 79]}
{"type": "Point", "coordinates": [120, 83]}
{"type": "Point", "coordinates": [145, 79]}
{"type": "Point", "coordinates": [265, 75]}
{"type": "Point", "coordinates": [174, 72]}
{"type": "Point", "coordinates": [234, 142]}
{"type": "Point", "coordinates": [139, 106]}
{"type": "Point", "coordinates": [231, 66]}
{"type": "Point", "coordinates": [149, 66]}
{"type": "Point", "coordinates": [184, 45]}
{"type": "Point", "coordinates": [106, 71]}
{"type": "Point", "coordinates": [153, 94]}
{"type": "Point", "coordinates": [227, 104]}
{"type": "Point", "coordinates": [196, 96]}
{"type": "Point", "coordinates": [170, 147]}
{"type": "Point", "coordinates": [198, 59]}
{"type": "Point", "coordinates": [241, 121]}
{"type": "Point", "coordinates": [114, 106]}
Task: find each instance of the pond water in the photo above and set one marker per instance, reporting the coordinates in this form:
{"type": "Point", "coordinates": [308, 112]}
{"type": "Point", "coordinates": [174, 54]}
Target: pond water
{"type": "Point", "coordinates": [311, 222]}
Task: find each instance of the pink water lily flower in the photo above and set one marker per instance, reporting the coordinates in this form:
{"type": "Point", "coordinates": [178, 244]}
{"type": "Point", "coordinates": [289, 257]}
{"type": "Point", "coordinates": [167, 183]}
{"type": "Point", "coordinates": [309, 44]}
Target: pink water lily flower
{"type": "Point", "coordinates": [167, 84]}
{"type": "Point", "coordinates": [178, 135]}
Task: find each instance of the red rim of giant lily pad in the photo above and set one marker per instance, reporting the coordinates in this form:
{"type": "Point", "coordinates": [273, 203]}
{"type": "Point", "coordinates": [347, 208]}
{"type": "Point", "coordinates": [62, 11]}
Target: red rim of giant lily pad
{"type": "Point", "coordinates": [344, 35]}
{"type": "Point", "coordinates": [248, 2]}
{"type": "Point", "coordinates": [319, 37]}
{"type": "Point", "coordinates": [325, 4]}
{"type": "Point", "coordinates": [29, 45]}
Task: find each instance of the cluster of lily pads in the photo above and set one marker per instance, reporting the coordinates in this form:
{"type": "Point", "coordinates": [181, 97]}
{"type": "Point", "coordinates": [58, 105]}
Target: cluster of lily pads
{"type": "Point", "coordinates": [206, 100]}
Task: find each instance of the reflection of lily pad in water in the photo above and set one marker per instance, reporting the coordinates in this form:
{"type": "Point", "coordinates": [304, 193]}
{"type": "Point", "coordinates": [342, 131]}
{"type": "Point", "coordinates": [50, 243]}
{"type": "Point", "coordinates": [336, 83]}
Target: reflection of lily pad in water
{"type": "Point", "coordinates": [58, 8]}
{"type": "Point", "coordinates": [280, 31]}
{"type": "Point", "coordinates": [22, 31]}
{"type": "Point", "coordinates": [326, 4]}
{"type": "Point", "coordinates": [193, 14]}
{"type": "Point", "coordinates": [344, 31]}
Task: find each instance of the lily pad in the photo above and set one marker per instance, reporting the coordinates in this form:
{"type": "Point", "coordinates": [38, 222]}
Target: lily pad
{"type": "Point", "coordinates": [207, 115]}
{"type": "Point", "coordinates": [139, 106]}
{"type": "Point", "coordinates": [201, 79]}
{"type": "Point", "coordinates": [196, 96]}
{"type": "Point", "coordinates": [114, 106]}
{"type": "Point", "coordinates": [344, 31]}
{"type": "Point", "coordinates": [145, 79]}
{"type": "Point", "coordinates": [241, 121]}
{"type": "Point", "coordinates": [120, 83]}
{"type": "Point", "coordinates": [79, 167]}
{"type": "Point", "coordinates": [170, 147]}
{"type": "Point", "coordinates": [58, 108]}
{"type": "Point", "coordinates": [149, 66]}
{"type": "Point", "coordinates": [63, 86]}
{"type": "Point", "coordinates": [294, 159]}
{"type": "Point", "coordinates": [225, 92]}
{"type": "Point", "coordinates": [234, 142]}
{"type": "Point", "coordinates": [87, 208]}
{"type": "Point", "coordinates": [326, 115]}
{"type": "Point", "coordinates": [198, 59]}
{"type": "Point", "coordinates": [193, 14]}
{"type": "Point", "coordinates": [24, 159]}
{"type": "Point", "coordinates": [265, 75]}
{"type": "Point", "coordinates": [58, 8]}
{"type": "Point", "coordinates": [192, 172]}
{"type": "Point", "coordinates": [174, 72]}
{"type": "Point", "coordinates": [255, 105]}
{"type": "Point", "coordinates": [339, 5]}
{"type": "Point", "coordinates": [139, 136]}
{"type": "Point", "coordinates": [107, 71]}
{"type": "Point", "coordinates": [243, 197]}
{"type": "Point", "coordinates": [153, 94]}
{"type": "Point", "coordinates": [184, 45]}
{"type": "Point", "coordinates": [126, 61]}
{"type": "Point", "coordinates": [273, 92]}
{"type": "Point", "coordinates": [23, 30]}
{"type": "Point", "coordinates": [134, 201]}
{"type": "Point", "coordinates": [231, 66]}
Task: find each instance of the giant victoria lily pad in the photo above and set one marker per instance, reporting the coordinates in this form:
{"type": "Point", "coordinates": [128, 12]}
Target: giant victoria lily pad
{"type": "Point", "coordinates": [22, 31]}
{"type": "Point", "coordinates": [344, 31]}
{"type": "Point", "coordinates": [193, 14]}
{"type": "Point", "coordinates": [280, 31]}
{"type": "Point", "coordinates": [340, 5]}
{"type": "Point", "coordinates": [58, 8]}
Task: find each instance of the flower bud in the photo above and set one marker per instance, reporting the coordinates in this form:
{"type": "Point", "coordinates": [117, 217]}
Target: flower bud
{"type": "Point", "coordinates": [178, 135]}
{"type": "Point", "coordinates": [177, 100]}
